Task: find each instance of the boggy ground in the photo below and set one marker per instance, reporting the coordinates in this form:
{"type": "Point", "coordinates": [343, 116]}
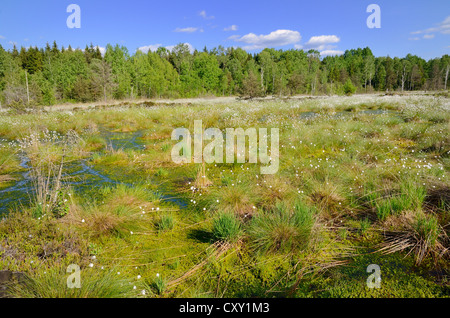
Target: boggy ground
{"type": "Point", "coordinates": [362, 180]}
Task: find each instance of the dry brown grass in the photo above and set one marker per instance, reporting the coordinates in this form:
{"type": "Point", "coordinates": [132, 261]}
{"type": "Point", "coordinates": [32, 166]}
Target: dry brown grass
{"type": "Point", "coordinates": [6, 178]}
{"type": "Point", "coordinates": [328, 199]}
{"type": "Point", "coordinates": [273, 189]}
{"type": "Point", "coordinates": [416, 233]}
{"type": "Point", "coordinates": [101, 223]}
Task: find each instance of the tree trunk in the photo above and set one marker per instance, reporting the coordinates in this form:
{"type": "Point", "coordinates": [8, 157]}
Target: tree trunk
{"type": "Point", "coordinates": [28, 92]}
{"type": "Point", "coordinates": [446, 76]}
{"type": "Point", "coordinates": [403, 78]}
{"type": "Point", "coordinates": [262, 76]}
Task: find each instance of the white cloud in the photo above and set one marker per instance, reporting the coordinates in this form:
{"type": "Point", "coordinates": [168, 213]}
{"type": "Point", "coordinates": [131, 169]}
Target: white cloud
{"type": "Point", "coordinates": [205, 16]}
{"type": "Point", "coordinates": [428, 36]}
{"type": "Point", "coordinates": [233, 37]}
{"type": "Point", "coordinates": [12, 43]}
{"type": "Point", "coordinates": [151, 47]}
{"type": "Point", "coordinates": [322, 42]}
{"type": "Point", "coordinates": [323, 39]}
{"type": "Point", "coordinates": [233, 27]}
{"type": "Point", "coordinates": [188, 30]}
{"type": "Point", "coordinates": [2, 37]}
{"type": "Point", "coordinates": [414, 39]}
{"type": "Point", "coordinates": [273, 39]}
{"type": "Point", "coordinates": [331, 52]}
{"type": "Point", "coordinates": [442, 27]}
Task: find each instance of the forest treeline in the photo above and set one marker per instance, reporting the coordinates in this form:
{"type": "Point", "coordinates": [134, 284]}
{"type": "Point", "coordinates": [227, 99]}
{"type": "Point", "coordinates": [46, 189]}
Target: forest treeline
{"type": "Point", "coordinates": [50, 75]}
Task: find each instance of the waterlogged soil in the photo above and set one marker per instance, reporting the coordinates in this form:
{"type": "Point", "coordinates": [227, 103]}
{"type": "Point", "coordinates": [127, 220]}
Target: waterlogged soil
{"type": "Point", "coordinates": [82, 176]}
{"type": "Point", "coordinates": [86, 178]}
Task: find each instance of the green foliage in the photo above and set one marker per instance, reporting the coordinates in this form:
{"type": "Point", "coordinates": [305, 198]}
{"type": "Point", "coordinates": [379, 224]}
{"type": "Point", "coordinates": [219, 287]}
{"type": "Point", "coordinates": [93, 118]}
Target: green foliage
{"type": "Point", "coordinates": [251, 86]}
{"type": "Point", "coordinates": [226, 227]}
{"type": "Point", "coordinates": [158, 284]}
{"type": "Point", "coordinates": [364, 225]}
{"type": "Point", "coordinates": [391, 206]}
{"type": "Point", "coordinates": [410, 197]}
{"type": "Point", "coordinates": [52, 283]}
{"type": "Point", "coordinates": [427, 229]}
{"type": "Point", "coordinates": [283, 229]}
{"type": "Point", "coordinates": [165, 223]}
{"type": "Point", "coordinates": [349, 88]}
{"type": "Point", "coordinates": [57, 75]}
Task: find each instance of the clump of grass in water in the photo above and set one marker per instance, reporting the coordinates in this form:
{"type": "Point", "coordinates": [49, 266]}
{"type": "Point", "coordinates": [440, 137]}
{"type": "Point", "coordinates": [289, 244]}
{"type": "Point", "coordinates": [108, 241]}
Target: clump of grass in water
{"type": "Point", "coordinates": [283, 229]}
{"type": "Point", "coordinates": [202, 180]}
{"type": "Point", "coordinates": [226, 227]}
{"type": "Point", "coordinates": [51, 197]}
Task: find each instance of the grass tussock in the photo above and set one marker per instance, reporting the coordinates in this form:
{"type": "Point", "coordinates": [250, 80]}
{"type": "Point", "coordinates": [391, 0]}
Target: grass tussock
{"type": "Point", "coordinates": [419, 234]}
{"type": "Point", "coordinates": [284, 229]}
{"type": "Point", "coordinates": [52, 283]}
{"type": "Point", "coordinates": [226, 227]}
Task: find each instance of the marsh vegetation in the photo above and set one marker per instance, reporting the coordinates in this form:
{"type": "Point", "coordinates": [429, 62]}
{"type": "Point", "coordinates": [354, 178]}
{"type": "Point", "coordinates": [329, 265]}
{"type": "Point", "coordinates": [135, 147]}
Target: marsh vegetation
{"type": "Point", "coordinates": [362, 180]}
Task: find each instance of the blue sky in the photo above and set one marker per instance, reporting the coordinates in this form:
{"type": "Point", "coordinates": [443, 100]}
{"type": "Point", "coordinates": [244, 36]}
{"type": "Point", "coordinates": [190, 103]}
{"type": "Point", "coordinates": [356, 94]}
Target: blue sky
{"type": "Point", "coordinates": [417, 27]}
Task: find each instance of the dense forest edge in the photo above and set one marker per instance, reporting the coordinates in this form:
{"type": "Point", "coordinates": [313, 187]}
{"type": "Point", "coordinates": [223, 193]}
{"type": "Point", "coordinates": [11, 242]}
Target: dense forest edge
{"type": "Point", "coordinates": [52, 75]}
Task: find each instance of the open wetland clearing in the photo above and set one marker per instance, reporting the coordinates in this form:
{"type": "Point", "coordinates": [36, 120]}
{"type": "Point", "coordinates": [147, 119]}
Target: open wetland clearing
{"type": "Point", "coordinates": [361, 181]}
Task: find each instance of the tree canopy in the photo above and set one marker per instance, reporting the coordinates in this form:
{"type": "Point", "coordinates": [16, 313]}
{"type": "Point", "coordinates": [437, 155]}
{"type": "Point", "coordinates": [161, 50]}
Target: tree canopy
{"type": "Point", "coordinates": [60, 75]}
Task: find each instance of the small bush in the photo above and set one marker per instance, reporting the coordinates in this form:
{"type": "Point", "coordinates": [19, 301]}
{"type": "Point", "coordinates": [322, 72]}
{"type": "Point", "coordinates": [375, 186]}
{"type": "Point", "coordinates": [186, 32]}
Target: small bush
{"type": "Point", "coordinates": [349, 88]}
